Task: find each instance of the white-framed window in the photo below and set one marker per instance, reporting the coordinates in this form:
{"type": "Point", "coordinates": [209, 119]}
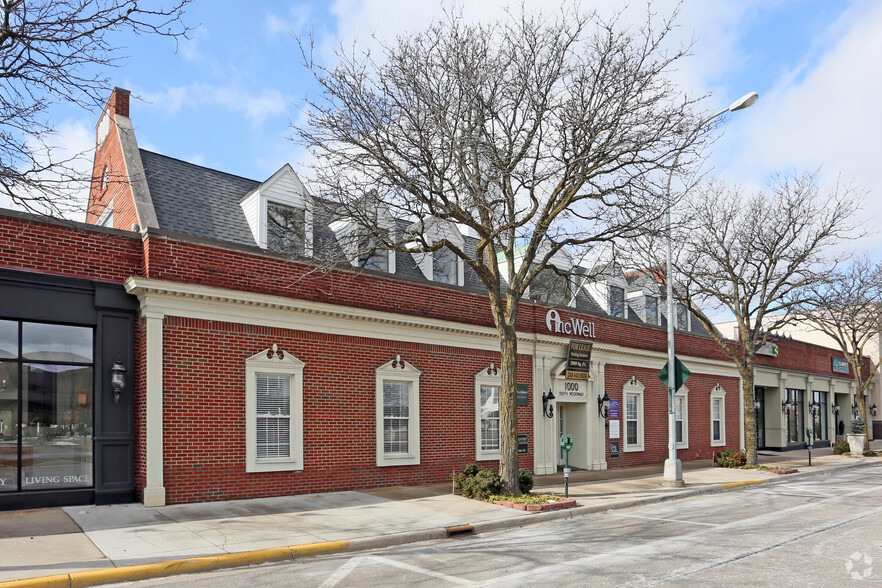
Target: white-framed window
{"type": "Point", "coordinates": [445, 266]}
{"type": "Point", "coordinates": [488, 387]}
{"type": "Point", "coordinates": [381, 260]}
{"type": "Point", "coordinates": [651, 308]}
{"type": "Point", "coordinates": [682, 317]}
{"type": "Point", "coordinates": [285, 228]}
{"type": "Point", "coordinates": [273, 412]}
{"type": "Point", "coordinates": [550, 287]}
{"type": "Point", "coordinates": [632, 393]}
{"type": "Point", "coordinates": [718, 416]}
{"type": "Point", "coordinates": [617, 301]}
{"type": "Point", "coordinates": [681, 417]}
{"type": "Point", "coordinates": [398, 413]}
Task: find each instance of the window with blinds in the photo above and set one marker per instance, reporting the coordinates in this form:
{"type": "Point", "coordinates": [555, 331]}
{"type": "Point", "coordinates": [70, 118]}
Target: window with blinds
{"type": "Point", "coordinates": [489, 418]}
{"type": "Point", "coordinates": [717, 419]}
{"type": "Point", "coordinates": [396, 418]}
{"type": "Point", "coordinates": [631, 415]}
{"type": "Point", "coordinates": [273, 416]}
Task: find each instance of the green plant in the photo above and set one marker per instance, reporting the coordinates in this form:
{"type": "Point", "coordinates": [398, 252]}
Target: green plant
{"type": "Point", "coordinates": [730, 458]}
{"type": "Point", "coordinates": [858, 426]}
{"type": "Point", "coordinates": [475, 482]}
{"type": "Point", "coordinates": [841, 448]}
{"type": "Point", "coordinates": [525, 481]}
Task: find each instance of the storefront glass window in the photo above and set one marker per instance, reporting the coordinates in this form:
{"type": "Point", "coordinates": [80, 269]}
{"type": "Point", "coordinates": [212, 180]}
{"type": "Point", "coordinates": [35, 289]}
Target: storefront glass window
{"type": "Point", "coordinates": [49, 415]}
{"type": "Point", "coordinates": [794, 417]}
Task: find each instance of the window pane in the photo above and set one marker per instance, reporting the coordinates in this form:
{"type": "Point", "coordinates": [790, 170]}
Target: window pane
{"type": "Point", "coordinates": [631, 431]}
{"type": "Point", "coordinates": [549, 287]}
{"type": "Point", "coordinates": [682, 317]}
{"type": "Point", "coordinates": [57, 426]}
{"type": "Point", "coordinates": [8, 431]}
{"type": "Point", "coordinates": [396, 417]}
{"type": "Point", "coordinates": [56, 343]}
{"type": "Point", "coordinates": [489, 418]}
{"type": "Point", "coordinates": [651, 310]}
{"type": "Point", "coordinates": [285, 228]}
{"type": "Point", "coordinates": [8, 339]}
{"type": "Point", "coordinates": [678, 417]}
{"type": "Point", "coordinates": [444, 266]}
{"type": "Point", "coordinates": [373, 259]}
{"type": "Point", "coordinates": [273, 416]}
{"type": "Point", "coordinates": [616, 301]}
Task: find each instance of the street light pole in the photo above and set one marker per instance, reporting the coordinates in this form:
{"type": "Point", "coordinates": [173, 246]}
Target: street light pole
{"type": "Point", "coordinates": [673, 475]}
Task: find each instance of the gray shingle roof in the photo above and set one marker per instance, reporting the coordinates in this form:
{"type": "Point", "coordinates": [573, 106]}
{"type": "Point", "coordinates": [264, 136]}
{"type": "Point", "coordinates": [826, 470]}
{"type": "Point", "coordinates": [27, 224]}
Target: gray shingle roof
{"type": "Point", "coordinates": [196, 200]}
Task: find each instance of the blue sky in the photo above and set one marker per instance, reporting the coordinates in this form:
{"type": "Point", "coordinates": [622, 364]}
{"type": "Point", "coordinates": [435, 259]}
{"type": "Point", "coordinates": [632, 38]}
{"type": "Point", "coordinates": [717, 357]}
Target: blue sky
{"type": "Point", "coordinates": [227, 97]}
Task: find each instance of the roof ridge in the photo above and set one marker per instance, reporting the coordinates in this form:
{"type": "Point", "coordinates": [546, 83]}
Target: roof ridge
{"type": "Point", "coordinates": [200, 166]}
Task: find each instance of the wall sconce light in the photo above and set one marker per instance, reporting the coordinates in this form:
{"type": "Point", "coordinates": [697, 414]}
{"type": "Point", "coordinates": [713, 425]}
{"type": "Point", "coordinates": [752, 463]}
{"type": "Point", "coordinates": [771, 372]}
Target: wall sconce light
{"type": "Point", "coordinates": [547, 407]}
{"type": "Point", "coordinates": [603, 405]}
{"type": "Point", "coordinates": [815, 408]}
{"type": "Point", "coordinates": [117, 379]}
{"type": "Point", "coordinates": [855, 413]}
{"type": "Point", "coordinates": [873, 410]}
{"type": "Point", "coordinates": [785, 405]}
{"type": "Point", "coordinates": [835, 410]}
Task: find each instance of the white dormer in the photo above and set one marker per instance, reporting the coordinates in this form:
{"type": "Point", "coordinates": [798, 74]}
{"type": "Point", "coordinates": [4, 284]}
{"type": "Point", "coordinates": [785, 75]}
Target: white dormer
{"type": "Point", "coordinates": [442, 265]}
{"type": "Point", "coordinates": [608, 289]}
{"type": "Point", "coordinates": [356, 241]}
{"type": "Point", "coordinates": [280, 214]}
{"type": "Point", "coordinates": [646, 301]}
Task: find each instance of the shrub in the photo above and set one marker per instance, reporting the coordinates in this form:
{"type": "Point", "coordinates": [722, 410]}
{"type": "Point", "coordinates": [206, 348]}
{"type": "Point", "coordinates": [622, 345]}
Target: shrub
{"type": "Point", "coordinates": [858, 426]}
{"type": "Point", "coordinates": [841, 448]}
{"type": "Point", "coordinates": [475, 482]}
{"type": "Point", "coordinates": [525, 481]}
{"type": "Point", "coordinates": [730, 458]}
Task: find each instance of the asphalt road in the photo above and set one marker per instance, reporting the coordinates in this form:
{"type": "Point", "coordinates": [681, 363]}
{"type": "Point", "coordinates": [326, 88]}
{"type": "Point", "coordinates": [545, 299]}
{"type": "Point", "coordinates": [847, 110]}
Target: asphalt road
{"type": "Point", "coordinates": [824, 531]}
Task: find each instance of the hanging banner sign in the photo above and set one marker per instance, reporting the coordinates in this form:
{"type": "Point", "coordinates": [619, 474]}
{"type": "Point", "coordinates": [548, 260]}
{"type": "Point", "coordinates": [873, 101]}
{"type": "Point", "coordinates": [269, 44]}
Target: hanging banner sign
{"type": "Point", "coordinates": [579, 360]}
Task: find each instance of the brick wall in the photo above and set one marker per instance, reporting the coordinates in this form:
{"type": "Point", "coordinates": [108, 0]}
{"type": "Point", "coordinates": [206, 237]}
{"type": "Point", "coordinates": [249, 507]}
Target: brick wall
{"type": "Point", "coordinates": [655, 415]}
{"type": "Point", "coordinates": [68, 249]}
{"type": "Point", "coordinates": [204, 411]}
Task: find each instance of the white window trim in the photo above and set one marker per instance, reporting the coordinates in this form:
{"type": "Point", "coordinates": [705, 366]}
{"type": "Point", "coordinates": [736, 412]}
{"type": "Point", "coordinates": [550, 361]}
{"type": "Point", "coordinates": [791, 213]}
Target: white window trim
{"type": "Point", "coordinates": [398, 370]}
{"type": "Point", "coordinates": [718, 393]}
{"type": "Point", "coordinates": [487, 377]}
{"type": "Point", "coordinates": [106, 218]}
{"type": "Point", "coordinates": [633, 387]}
{"type": "Point", "coordinates": [276, 362]}
{"type": "Point", "coordinates": [684, 394]}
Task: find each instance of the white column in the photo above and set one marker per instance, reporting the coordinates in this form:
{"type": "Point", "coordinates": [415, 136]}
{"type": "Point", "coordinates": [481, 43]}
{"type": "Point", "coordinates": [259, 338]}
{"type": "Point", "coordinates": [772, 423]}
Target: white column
{"type": "Point", "coordinates": [154, 490]}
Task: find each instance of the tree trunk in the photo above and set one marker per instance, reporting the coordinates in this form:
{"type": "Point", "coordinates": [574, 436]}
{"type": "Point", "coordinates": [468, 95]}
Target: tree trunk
{"type": "Point", "coordinates": [747, 393]}
{"type": "Point", "coordinates": [508, 411]}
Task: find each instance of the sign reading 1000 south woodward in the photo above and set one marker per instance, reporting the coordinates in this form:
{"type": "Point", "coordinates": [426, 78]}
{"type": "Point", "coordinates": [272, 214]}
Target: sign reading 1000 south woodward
{"type": "Point", "coordinates": [578, 360]}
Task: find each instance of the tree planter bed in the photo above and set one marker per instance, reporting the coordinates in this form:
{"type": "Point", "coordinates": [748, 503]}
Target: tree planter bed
{"type": "Point", "coordinates": [560, 504]}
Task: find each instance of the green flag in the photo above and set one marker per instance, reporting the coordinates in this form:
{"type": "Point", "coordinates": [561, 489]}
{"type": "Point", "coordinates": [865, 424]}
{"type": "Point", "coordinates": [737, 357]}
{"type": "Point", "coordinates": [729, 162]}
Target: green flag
{"type": "Point", "coordinates": [680, 374]}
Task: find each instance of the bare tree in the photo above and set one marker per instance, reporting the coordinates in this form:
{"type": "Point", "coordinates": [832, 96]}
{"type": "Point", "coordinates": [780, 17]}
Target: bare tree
{"type": "Point", "coordinates": [753, 256]}
{"type": "Point", "coordinates": [847, 307]}
{"type": "Point", "coordinates": [54, 51]}
{"type": "Point", "coordinates": [540, 137]}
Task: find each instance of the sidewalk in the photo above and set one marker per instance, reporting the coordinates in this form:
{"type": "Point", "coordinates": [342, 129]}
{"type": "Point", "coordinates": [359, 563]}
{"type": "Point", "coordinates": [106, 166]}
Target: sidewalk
{"type": "Point", "coordinates": [90, 545]}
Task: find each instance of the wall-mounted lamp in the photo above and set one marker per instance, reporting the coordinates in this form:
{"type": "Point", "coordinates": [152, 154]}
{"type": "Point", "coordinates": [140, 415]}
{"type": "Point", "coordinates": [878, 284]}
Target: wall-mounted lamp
{"type": "Point", "coordinates": [547, 407]}
{"type": "Point", "coordinates": [786, 405]}
{"type": "Point", "coordinates": [603, 405]}
{"type": "Point", "coordinates": [815, 408]}
{"type": "Point", "coordinates": [835, 410]}
{"type": "Point", "coordinates": [873, 410]}
{"type": "Point", "coordinates": [117, 379]}
{"type": "Point", "coordinates": [855, 413]}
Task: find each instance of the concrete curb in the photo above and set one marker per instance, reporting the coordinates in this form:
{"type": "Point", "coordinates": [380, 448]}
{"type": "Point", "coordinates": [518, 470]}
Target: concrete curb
{"type": "Point", "coordinates": [290, 553]}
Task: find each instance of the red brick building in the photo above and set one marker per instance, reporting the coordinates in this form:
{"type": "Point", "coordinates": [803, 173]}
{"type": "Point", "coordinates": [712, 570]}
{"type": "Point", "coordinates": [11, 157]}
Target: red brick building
{"type": "Point", "coordinates": [252, 370]}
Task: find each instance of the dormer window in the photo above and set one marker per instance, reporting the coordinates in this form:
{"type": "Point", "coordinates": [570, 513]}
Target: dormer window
{"type": "Point", "coordinates": [549, 287]}
{"type": "Point", "coordinates": [373, 259]}
{"type": "Point", "coordinates": [616, 301]}
{"type": "Point", "coordinates": [280, 214]}
{"type": "Point", "coordinates": [651, 308]}
{"type": "Point", "coordinates": [285, 228]}
{"type": "Point", "coordinates": [444, 266]}
{"type": "Point", "coordinates": [682, 317]}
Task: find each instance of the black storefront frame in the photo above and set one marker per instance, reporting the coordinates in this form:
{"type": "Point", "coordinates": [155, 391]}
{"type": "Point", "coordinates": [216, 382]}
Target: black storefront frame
{"type": "Point", "coordinates": [41, 298]}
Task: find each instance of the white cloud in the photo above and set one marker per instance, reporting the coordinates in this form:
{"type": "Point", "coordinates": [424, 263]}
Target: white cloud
{"type": "Point", "coordinates": [257, 107]}
{"type": "Point", "coordinates": [297, 19]}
